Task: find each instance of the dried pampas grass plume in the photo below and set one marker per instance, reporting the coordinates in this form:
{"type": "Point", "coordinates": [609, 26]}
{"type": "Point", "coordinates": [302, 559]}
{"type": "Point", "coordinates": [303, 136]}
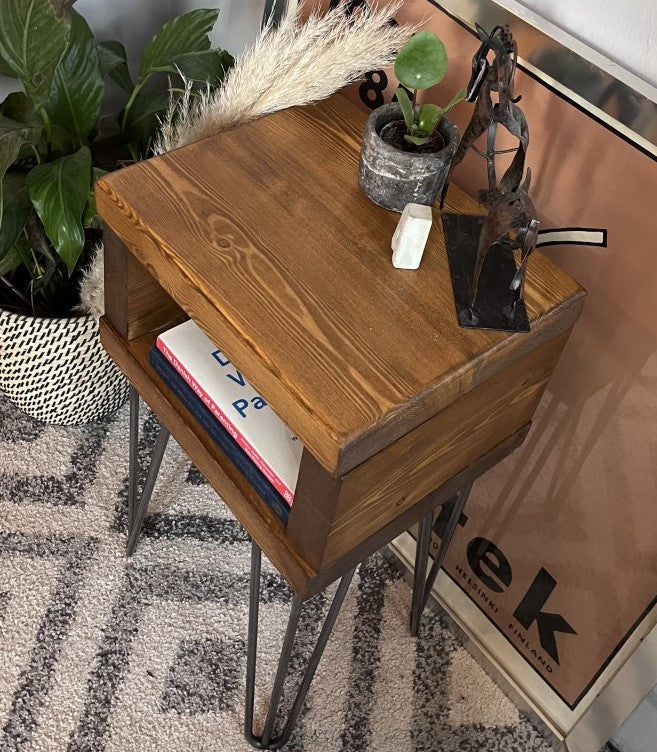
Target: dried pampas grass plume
{"type": "Point", "coordinates": [92, 297]}
{"type": "Point", "coordinates": [293, 64]}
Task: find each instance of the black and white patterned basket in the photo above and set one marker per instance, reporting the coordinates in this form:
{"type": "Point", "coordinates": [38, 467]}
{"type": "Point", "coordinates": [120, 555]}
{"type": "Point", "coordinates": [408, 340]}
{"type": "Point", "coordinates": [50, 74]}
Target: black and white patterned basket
{"type": "Point", "coordinates": [56, 370]}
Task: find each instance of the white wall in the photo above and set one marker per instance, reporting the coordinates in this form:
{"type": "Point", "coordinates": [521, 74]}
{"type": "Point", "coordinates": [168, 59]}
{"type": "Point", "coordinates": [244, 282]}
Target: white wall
{"type": "Point", "coordinates": [623, 30]}
{"type": "Point", "coordinates": [133, 23]}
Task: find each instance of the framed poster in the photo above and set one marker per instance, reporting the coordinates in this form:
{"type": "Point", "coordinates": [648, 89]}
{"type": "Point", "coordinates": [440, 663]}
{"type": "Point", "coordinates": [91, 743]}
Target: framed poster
{"type": "Point", "coordinates": [558, 548]}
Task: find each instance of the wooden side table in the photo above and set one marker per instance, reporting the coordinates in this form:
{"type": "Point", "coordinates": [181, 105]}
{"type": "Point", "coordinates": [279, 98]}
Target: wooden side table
{"type": "Point", "coordinates": [262, 236]}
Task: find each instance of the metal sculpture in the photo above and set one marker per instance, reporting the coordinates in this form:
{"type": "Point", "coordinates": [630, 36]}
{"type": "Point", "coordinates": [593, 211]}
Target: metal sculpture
{"type": "Point", "coordinates": [511, 223]}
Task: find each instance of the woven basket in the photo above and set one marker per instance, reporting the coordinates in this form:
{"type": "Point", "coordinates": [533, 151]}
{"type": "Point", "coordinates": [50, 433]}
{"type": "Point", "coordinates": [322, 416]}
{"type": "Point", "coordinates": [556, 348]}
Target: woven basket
{"type": "Point", "coordinates": [56, 369]}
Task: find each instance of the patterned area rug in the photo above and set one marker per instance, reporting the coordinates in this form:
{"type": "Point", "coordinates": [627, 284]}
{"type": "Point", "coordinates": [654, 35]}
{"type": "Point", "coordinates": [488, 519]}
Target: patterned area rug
{"type": "Point", "coordinates": [148, 655]}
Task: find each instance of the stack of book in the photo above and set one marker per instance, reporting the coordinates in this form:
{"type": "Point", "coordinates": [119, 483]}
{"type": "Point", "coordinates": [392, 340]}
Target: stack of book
{"type": "Point", "coordinates": [234, 415]}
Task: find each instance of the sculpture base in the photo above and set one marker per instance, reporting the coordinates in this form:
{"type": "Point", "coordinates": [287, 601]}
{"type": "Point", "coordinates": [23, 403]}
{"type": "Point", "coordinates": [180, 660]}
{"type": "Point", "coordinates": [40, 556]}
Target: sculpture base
{"type": "Point", "coordinates": [494, 307]}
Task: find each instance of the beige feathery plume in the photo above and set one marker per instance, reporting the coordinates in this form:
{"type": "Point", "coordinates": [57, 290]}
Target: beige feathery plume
{"type": "Point", "coordinates": [293, 64]}
{"type": "Point", "coordinates": [92, 285]}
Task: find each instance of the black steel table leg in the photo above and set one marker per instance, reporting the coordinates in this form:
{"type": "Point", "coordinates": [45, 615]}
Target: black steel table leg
{"type": "Point", "coordinates": [134, 455]}
{"type": "Point", "coordinates": [420, 569]}
{"type": "Point", "coordinates": [137, 507]}
{"type": "Point", "coordinates": [266, 739]}
{"type": "Point", "coordinates": [422, 585]}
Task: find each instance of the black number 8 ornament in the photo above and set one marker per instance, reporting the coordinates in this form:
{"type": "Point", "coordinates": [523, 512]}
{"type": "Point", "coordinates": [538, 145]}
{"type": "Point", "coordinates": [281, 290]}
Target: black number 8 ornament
{"type": "Point", "coordinates": [372, 86]}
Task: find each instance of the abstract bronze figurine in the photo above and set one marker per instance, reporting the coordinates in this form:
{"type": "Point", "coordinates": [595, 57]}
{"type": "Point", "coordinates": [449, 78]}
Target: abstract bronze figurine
{"type": "Point", "coordinates": [511, 223]}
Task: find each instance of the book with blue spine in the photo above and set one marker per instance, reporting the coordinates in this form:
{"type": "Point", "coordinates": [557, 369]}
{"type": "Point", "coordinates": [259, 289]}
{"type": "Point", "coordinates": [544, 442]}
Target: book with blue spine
{"type": "Point", "coordinates": [218, 434]}
{"type": "Point", "coordinates": [238, 407]}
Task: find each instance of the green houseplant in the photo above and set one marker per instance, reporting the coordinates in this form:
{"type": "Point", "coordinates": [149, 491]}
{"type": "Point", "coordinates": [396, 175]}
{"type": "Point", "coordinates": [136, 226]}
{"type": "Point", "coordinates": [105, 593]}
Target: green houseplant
{"type": "Point", "coordinates": [408, 147]}
{"type": "Point", "coordinates": [53, 145]}
{"type": "Point", "coordinates": [421, 64]}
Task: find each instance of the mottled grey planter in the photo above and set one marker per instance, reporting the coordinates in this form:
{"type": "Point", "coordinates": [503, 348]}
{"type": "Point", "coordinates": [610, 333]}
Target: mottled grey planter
{"type": "Point", "coordinates": [393, 178]}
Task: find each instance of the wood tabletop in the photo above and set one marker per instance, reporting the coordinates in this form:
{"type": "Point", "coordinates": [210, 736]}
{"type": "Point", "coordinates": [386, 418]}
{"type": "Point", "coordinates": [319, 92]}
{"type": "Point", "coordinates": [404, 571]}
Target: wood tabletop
{"type": "Point", "coordinates": [263, 236]}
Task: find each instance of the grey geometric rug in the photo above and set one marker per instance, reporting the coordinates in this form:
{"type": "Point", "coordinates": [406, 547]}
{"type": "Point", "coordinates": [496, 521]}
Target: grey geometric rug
{"type": "Point", "coordinates": [98, 653]}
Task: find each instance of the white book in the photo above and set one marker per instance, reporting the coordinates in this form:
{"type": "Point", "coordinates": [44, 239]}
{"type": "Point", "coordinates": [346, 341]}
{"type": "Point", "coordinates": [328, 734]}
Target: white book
{"type": "Point", "coordinates": [267, 441]}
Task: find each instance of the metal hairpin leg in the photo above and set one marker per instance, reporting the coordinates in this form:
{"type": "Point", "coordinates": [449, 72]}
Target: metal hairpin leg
{"type": "Point", "coordinates": [422, 585]}
{"type": "Point", "coordinates": [137, 506]}
{"type": "Point", "coordinates": [265, 740]}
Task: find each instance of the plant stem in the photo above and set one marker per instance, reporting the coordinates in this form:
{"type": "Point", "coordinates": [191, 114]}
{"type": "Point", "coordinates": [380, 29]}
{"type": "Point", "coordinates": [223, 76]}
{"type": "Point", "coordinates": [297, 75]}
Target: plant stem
{"type": "Point", "coordinates": [35, 236]}
{"type": "Point", "coordinates": [130, 102]}
{"type": "Point", "coordinates": [48, 126]}
{"type": "Point", "coordinates": [36, 153]}
{"type": "Point", "coordinates": [37, 266]}
{"type": "Point", "coordinates": [416, 119]}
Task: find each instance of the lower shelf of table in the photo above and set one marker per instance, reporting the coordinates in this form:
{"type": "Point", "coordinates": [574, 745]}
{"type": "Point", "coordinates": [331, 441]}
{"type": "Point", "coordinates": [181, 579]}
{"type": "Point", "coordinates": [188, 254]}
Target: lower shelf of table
{"type": "Point", "coordinates": [132, 357]}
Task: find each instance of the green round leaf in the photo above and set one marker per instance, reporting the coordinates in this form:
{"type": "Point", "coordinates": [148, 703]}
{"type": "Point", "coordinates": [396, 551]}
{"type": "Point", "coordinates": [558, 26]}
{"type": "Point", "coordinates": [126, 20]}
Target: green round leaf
{"type": "Point", "coordinates": [422, 61]}
{"type": "Point", "coordinates": [429, 117]}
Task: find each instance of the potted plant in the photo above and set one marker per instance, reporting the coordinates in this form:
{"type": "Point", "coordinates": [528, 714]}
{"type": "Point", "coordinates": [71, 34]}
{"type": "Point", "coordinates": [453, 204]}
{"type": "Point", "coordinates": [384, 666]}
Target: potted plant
{"type": "Point", "coordinates": [407, 148]}
{"type": "Point", "coordinates": [53, 145]}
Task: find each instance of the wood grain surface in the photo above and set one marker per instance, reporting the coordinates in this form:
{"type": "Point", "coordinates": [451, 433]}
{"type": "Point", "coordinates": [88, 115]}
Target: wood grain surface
{"type": "Point", "coordinates": [136, 304]}
{"type": "Point", "coordinates": [399, 476]}
{"type": "Point", "coordinates": [291, 555]}
{"type": "Point", "coordinates": [263, 236]}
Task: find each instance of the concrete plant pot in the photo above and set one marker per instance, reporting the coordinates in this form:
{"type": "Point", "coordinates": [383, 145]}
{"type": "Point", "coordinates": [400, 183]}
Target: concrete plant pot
{"type": "Point", "coordinates": [393, 178]}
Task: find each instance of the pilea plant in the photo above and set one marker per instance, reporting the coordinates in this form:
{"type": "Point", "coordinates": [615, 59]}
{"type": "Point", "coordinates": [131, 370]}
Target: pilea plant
{"type": "Point", "coordinates": [54, 144]}
{"type": "Point", "coordinates": [420, 64]}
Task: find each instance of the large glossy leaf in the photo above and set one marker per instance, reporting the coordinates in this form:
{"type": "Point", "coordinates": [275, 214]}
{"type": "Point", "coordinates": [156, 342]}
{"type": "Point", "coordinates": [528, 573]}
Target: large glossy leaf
{"type": "Point", "coordinates": [16, 206]}
{"type": "Point", "coordinates": [32, 42]}
{"type": "Point", "coordinates": [59, 193]}
{"type": "Point", "coordinates": [6, 69]}
{"type": "Point", "coordinates": [180, 38]}
{"type": "Point", "coordinates": [422, 61]}
{"type": "Point", "coordinates": [11, 260]}
{"type": "Point", "coordinates": [90, 215]}
{"type": "Point", "coordinates": [142, 119]}
{"type": "Point", "coordinates": [77, 86]}
{"type": "Point", "coordinates": [62, 7]}
{"type": "Point", "coordinates": [18, 106]}
{"type": "Point", "coordinates": [18, 254]}
{"type": "Point", "coordinates": [114, 63]}
{"type": "Point", "coordinates": [207, 67]}
{"type": "Point", "coordinates": [12, 136]}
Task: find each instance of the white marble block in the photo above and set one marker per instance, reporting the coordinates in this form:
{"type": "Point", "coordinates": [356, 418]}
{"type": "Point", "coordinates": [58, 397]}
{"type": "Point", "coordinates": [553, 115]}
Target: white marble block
{"type": "Point", "coordinates": [410, 237]}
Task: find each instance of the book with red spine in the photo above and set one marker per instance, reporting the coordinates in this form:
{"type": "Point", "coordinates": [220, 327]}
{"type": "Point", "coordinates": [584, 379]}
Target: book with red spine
{"type": "Point", "coordinates": [261, 434]}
